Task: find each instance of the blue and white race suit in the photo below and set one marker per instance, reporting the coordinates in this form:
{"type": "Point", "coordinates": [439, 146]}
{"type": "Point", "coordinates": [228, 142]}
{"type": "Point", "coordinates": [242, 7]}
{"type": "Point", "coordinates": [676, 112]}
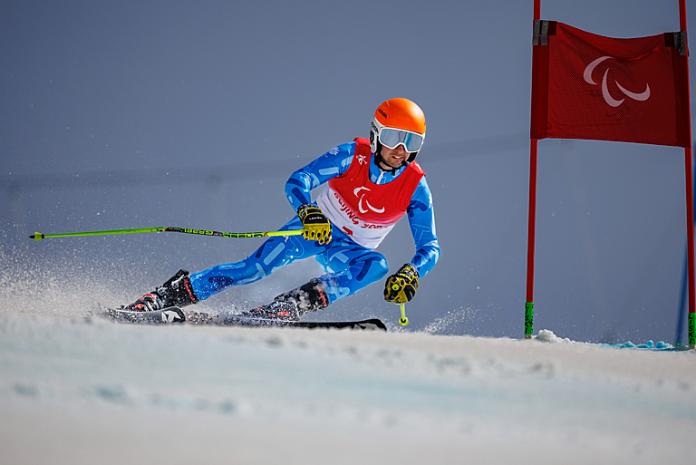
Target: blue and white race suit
{"type": "Point", "coordinates": [349, 266]}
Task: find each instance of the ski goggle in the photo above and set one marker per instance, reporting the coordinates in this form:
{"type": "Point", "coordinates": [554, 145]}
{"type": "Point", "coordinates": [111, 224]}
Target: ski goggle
{"type": "Point", "coordinates": [392, 138]}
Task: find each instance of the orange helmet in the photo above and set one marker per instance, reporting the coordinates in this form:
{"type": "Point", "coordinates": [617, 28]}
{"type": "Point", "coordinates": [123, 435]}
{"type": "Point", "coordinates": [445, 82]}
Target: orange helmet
{"type": "Point", "coordinates": [404, 116]}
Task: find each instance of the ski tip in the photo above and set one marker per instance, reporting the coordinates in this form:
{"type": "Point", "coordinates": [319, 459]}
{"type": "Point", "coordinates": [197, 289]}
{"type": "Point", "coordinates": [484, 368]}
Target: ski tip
{"type": "Point", "coordinates": [164, 316]}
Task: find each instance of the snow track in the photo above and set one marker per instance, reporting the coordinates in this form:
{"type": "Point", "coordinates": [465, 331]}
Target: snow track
{"type": "Point", "coordinates": [75, 391]}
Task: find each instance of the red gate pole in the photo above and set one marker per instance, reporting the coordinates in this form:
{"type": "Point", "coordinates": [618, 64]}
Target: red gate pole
{"type": "Point", "coordinates": [531, 234]}
{"type": "Point", "coordinates": [689, 191]}
{"type": "Point", "coordinates": [531, 221]}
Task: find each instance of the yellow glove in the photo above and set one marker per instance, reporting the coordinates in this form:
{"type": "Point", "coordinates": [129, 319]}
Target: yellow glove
{"type": "Point", "coordinates": [401, 286]}
{"type": "Point", "coordinates": [316, 226]}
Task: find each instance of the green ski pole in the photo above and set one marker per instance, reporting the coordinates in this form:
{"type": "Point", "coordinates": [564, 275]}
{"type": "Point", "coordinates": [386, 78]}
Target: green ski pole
{"type": "Point", "coordinates": [403, 320]}
{"type": "Point", "coordinates": [37, 236]}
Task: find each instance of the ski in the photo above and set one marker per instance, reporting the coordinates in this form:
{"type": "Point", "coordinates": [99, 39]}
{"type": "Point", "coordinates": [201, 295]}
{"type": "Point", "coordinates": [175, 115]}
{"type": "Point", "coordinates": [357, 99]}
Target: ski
{"type": "Point", "coordinates": [166, 315]}
{"type": "Point", "coordinates": [177, 315]}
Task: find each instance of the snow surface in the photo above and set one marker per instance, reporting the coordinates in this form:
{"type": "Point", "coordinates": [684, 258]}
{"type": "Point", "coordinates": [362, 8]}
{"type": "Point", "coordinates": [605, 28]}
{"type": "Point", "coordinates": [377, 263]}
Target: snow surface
{"type": "Point", "coordinates": [81, 391]}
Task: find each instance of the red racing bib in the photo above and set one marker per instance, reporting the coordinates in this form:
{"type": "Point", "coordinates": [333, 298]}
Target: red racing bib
{"type": "Point", "coordinates": [366, 211]}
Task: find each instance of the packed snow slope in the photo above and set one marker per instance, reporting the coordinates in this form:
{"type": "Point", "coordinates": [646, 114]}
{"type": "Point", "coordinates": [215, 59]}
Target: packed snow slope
{"type": "Point", "coordinates": [81, 391]}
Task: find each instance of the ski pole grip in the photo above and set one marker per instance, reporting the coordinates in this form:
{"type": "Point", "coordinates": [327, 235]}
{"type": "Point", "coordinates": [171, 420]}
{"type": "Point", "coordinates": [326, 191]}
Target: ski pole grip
{"type": "Point", "coordinates": [37, 236]}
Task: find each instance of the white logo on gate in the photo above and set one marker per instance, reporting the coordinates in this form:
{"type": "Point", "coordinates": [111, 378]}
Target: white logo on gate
{"type": "Point", "coordinates": [361, 199]}
{"type": "Point", "coordinates": [361, 159]}
{"type": "Point", "coordinates": [611, 101]}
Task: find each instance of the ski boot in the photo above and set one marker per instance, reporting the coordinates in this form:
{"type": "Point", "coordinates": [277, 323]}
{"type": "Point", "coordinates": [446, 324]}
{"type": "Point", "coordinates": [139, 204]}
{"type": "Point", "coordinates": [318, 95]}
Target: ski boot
{"type": "Point", "coordinates": [291, 305]}
{"type": "Point", "coordinates": [176, 291]}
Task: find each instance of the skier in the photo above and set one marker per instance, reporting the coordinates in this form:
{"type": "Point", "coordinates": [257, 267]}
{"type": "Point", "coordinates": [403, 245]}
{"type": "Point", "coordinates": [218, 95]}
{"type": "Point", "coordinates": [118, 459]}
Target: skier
{"type": "Point", "coordinates": [371, 185]}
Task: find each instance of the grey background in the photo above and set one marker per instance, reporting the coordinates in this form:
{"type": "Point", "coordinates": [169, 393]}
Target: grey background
{"type": "Point", "coordinates": [149, 113]}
